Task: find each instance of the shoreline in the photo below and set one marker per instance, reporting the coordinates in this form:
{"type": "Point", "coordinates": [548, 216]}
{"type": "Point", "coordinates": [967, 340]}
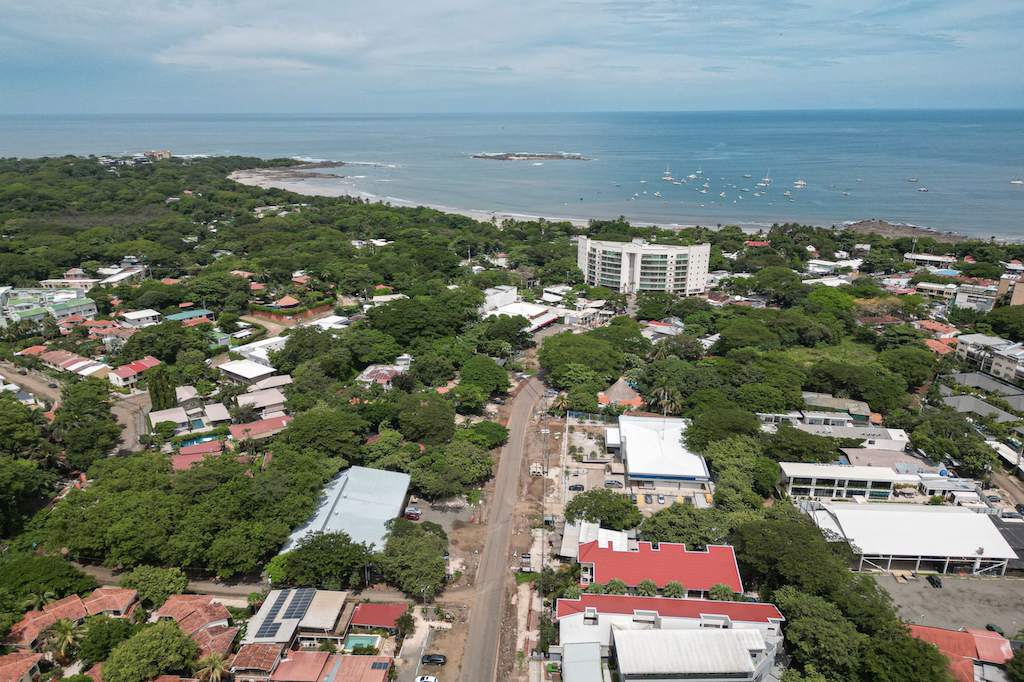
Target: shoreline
{"type": "Point", "coordinates": [291, 179]}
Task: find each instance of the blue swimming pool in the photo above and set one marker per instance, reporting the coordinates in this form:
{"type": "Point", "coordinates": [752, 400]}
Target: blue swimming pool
{"type": "Point", "coordinates": [196, 441]}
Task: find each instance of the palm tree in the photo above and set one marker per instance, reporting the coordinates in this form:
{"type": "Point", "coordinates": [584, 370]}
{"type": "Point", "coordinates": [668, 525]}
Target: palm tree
{"type": "Point", "coordinates": [561, 402]}
{"type": "Point", "coordinates": [212, 667]}
{"type": "Point", "coordinates": [37, 600]}
{"type": "Point", "coordinates": [62, 636]}
{"type": "Point", "coordinates": [662, 385]}
{"type": "Point", "coordinates": [675, 590]}
{"type": "Point", "coordinates": [673, 403]}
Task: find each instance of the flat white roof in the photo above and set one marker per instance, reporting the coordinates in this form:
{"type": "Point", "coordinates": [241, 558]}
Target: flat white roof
{"type": "Point", "coordinates": [844, 471]}
{"type": "Point", "coordinates": [915, 530]}
{"type": "Point", "coordinates": [141, 314]}
{"type": "Point", "coordinates": [324, 610]}
{"type": "Point", "coordinates": [680, 652]}
{"type": "Point", "coordinates": [653, 447]}
{"type": "Point", "coordinates": [174, 414]}
{"type": "Point", "coordinates": [611, 437]}
{"type": "Point", "coordinates": [247, 369]}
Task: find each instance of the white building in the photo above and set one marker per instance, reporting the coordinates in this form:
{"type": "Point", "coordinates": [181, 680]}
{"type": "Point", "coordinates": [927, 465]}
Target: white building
{"type": "Point", "coordinates": [909, 536]}
{"type": "Point", "coordinates": [828, 481]}
{"type": "Point", "coordinates": [259, 351]}
{"type": "Point", "coordinates": [979, 348]}
{"type": "Point", "coordinates": [537, 315]}
{"type": "Point", "coordinates": [720, 655]}
{"type": "Point", "coordinates": [873, 437]}
{"type": "Point", "coordinates": [639, 266]}
{"type": "Point", "coordinates": [496, 297]}
{"type": "Point", "coordinates": [244, 371]}
{"type": "Point", "coordinates": [140, 318]}
{"type": "Point", "coordinates": [656, 458]}
{"type": "Point", "coordinates": [928, 259]}
{"type": "Point", "coordinates": [976, 297]}
{"type": "Point", "coordinates": [593, 617]}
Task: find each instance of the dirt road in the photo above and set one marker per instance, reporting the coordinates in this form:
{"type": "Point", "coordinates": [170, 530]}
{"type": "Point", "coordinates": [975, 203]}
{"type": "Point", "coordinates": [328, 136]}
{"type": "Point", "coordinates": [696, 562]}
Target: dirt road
{"type": "Point", "coordinates": [482, 644]}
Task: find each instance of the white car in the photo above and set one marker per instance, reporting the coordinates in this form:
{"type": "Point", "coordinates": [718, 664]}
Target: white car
{"type": "Point", "coordinates": [426, 678]}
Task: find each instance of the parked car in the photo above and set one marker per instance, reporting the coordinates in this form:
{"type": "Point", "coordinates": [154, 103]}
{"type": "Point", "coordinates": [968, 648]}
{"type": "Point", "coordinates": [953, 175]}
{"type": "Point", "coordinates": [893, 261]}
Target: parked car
{"type": "Point", "coordinates": [613, 484]}
{"type": "Point", "coordinates": [661, 498]}
{"type": "Point", "coordinates": [1020, 508]}
{"type": "Point", "coordinates": [995, 499]}
{"type": "Point", "coordinates": [935, 581]}
{"type": "Point", "coordinates": [994, 628]}
{"type": "Point", "coordinates": [433, 659]}
{"type": "Point", "coordinates": [648, 499]}
{"type": "Point", "coordinates": [426, 678]}
{"type": "Point", "coordinates": [413, 513]}
{"type": "Point", "coordinates": [498, 401]}
{"type": "Point", "coordinates": [1012, 515]}
{"type": "Point", "coordinates": [576, 487]}
{"type": "Point", "coordinates": [632, 496]}
{"type": "Point", "coordinates": [22, 372]}
{"type": "Point", "coordinates": [51, 385]}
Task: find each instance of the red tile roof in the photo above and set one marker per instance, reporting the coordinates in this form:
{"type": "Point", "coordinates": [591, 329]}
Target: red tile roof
{"type": "Point", "coordinates": [68, 608]}
{"type": "Point", "coordinates": [378, 615]}
{"type": "Point", "coordinates": [14, 667]}
{"type": "Point", "coordinates": [671, 561]}
{"type": "Point", "coordinates": [301, 666]}
{"type": "Point", "coordinates": [256, 286]}
{"type": "Point", "coordinates": [980, 645]}
{"type": "Point", "coordinates": [215, 640]}
{"type": "Point", "coordinates": [33, 350]}
{"type": "Point", "coordinates": [257, 657]}
{"type": "Point", "coordinates": [196, 320]}
{"type": "Point", "coordinates": [935, 327]}
{"type": "Point", "coordinates": [193, 612]}
{"type": "Point", "coordinates": [288, 302]}
{"type": "Point", "coordinates": [25, 633]}
{"type": "Point", "coordinates": [213, 447]}
{"type": "Point", "coordinates": [110, 599]}
{"type": "Point", "coordinates": [95, 672]}
{"type": "Point", "coordinates": [676, 608]}
{"type": "Point", "coordinates": [260, 428]}
{"type": "Point", "coordinates": [938, 347]}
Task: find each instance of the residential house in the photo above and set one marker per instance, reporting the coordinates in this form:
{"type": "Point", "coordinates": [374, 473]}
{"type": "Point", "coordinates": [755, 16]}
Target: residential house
{"type": "Point", "coordinates": [383, 374]}
{"type": "Point", "coordinates": [278, 381]}
{"type": "Point", "coordinates": [269, 401]}
{"type": "Point", "coordinates": [194, 612]}
{"type": "Point", "coordinates": [967, 649]}
{"type": "Point", "coordinates": [28, 633]}
{"type": "Point", "coordinates": [304, 616]}
{"type": "Point", "coordinates": [734, 655]}
{"type": "Point", "coordinates": [698, 571]}
{"type": "Point", "coordinates": [383, 616]}
{"type": "Point", "coordinates": [265, 428]}
{"type": "Point", "coordinates": [190, 455]}
{"type": "Point", "coordinates": [187, 397]}
{"type": "Point", "coordinates": [192, 315]}
{"type": "Point", "coordinates": [940, 348]}
{"type": "Point", "coordinates": [936, 330]}
{"type": "Point", "coordinates": [255, 662]}
{"type": "Point", "coordinates": [217, 639]}
{"type": "Point", "coordinates": [140, 318]}
{"type": "Point", "coordinates": [259, 351]}
{"type": "Point", "coordinates": [244, 371]}
{"type": "Point", "coordinates": [20, 667]}
{"type": "Point", "coordinates": [113, 602]}
{"type": "Point", "coordinates": [175, 415]}
{"type": "Point", "coordinates": [933, 291]}
{"type": "Point", "coordinates": [128, 375]}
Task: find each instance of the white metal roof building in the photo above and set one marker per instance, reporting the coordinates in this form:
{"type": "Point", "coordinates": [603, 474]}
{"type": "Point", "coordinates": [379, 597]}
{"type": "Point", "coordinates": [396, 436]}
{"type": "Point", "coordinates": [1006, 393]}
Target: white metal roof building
{"type": "Point", "coordinates": [655, 456]}
{"type": "Point", "coordinates": [359, 501]}
{"type": "Point", "coordinates": [947, 539]}
{"type": "Point", "coordinates": [875, 437]}
{"type": "Point", "coordinates": [245, 371]}
{"type": "Point", "coordinates": [703, 654]}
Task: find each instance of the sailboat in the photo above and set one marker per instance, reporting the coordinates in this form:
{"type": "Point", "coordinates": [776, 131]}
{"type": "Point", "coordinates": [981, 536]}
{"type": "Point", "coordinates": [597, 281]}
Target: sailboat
{"type": "Point", "coordinates": [1016, 180]}
{"type": "Point", "coordinates": [767, 176]}
{"type": "Point", "coordinates": [667, 175]}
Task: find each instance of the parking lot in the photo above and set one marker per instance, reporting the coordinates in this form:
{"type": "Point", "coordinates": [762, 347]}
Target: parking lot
{"type": "Point", "coordinates": [960, 602]}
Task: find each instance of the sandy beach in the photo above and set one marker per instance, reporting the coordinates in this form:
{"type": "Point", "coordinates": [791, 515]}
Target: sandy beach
{"type": "Point", "coordinates": [303, 180]}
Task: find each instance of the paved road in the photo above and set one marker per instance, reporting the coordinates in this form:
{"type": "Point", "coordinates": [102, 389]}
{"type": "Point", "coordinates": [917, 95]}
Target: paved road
{"type": "Point", "coordinates": [481, 657]}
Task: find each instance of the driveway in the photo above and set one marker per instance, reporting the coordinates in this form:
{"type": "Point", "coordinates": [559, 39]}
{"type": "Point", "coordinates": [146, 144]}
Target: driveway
{"type": "Point", "coordinates": [481, 655]}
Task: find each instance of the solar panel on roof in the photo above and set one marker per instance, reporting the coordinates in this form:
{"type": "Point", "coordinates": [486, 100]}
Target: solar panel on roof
{"type": "Point", "coordinates": [276, 606]}
{"type": "Point", "coordinates": [378, 665]}
{"type": "Point", "coordinates": [300, 602]}
{"type": "Point", "coordinates": [268, 630]}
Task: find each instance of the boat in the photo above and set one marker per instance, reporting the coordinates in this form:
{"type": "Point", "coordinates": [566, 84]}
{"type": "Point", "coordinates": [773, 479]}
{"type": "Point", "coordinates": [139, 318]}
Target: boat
{"type": "Point", "coordinates": [699, 171]}
{"type": "Point", "coordinates": [846, 193]}
{"type": "Point", "coordinates": [657, 194]}
{"type": "Point", "coordinates": [692, 176]}
{"type": "Point", "coordinates": [860, 179]}
{"type": "Point", "coordinates": [722, 195]}
{"type": "Point", "coordinates": [799, 183]}
{"type": "Point", "coordinates": [705, 185]}
{"type": "Point", "coordinates": [1016, 179]}
{"type": "Point", "coordinates": [643, 182]}
{"type": "Point", "coordinates": [922, 189]}
{"type": "Point", "coordinates": [703, 191]}
{"type": "Point", "coordinates": [762, 184]}
{"type": "Point", "coordinates": [636, 194]}
{"type": "Point", "coordinates": [746, 175]}
{"type": "Point", "coordinates": [676, 182]}
{"type": "Point", "coordinates": [645, 191]}
{"type": "Point", "coordinates": [767, 176]}
{"type": "Point", "coordinates": [787, 193]}
{"type": "Point", "coordinates": [757, 194]}
{"type": "Point", "coordinates": [911, 179]}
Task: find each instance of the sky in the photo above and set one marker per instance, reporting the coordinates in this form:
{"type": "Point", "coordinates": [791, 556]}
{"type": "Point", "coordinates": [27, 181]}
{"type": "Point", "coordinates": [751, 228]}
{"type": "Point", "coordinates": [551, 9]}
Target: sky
{"type": "Point", "coordinates": [340, 56]}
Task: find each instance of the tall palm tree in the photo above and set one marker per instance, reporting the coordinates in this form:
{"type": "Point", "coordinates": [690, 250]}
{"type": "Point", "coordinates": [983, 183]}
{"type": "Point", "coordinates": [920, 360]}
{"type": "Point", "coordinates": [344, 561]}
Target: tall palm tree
{"type": "Point", "coordinates": [37, 600]}
{"type": "Point", "coordinates": [211, 668]}
{"type": "Point", "coordinates": [561, 402]}
{"type": "Point", "coordinates": [673, 403]}
{"type": "Point", "coordinates": [662, 387]}
{"type": "Point", "coordinates": [63, 636]}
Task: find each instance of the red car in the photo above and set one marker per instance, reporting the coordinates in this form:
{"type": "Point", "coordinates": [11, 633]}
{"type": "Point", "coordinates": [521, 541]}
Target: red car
{"type": "Point", "coordinates": [413, 513]}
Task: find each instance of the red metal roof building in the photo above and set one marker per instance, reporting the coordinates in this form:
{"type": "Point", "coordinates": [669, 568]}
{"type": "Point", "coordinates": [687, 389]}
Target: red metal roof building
{"type": "Point", "coordinates": [963, 647]}
{"type": "Point", "coordinates": [676, 608]}
{"type": "Point", "coordinates": [697, 571]}
{"type": "Point", "coordinates": [378, 615]}
{"type": "Point", "coordinates": [261, 429]}
{"type": "Point", "coordinates": [301, 666]}
{"type": "Point", "coordinates": [357, 669]}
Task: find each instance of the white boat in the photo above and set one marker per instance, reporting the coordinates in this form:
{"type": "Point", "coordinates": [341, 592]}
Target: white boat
{"type": "Point", "coordinates": [643, 182]}
{"type": "Point", "coordinates": [911, 179]}
{"type": "Point", "coordinates": [922, 189]}
{"type": "Point", "coordinates": [722, 195]}
{"type": "Point", "coordinates": [762, 184]}
{"type": "Point", "coordinates": [757, 194]}
{"type": "Point", "coordinates": [705, 185]}
{"type": "Point", "coordinates": [860, 179]}
{"type": "Point", "coordinates": [636, 194]}
{"type": "Point", "coordinates": [645, 191]}
{"type": "Point", "coordinates": [657, 194]}
{"type": "Point", "coordinates": [1016, 179]}
{"type": "Point", "coordinates": [846, 193]}
{"type": "Point", "coordinates": [675, 182]}
{"type": "Point", "coordinates": [799, 183]}
{"type": "Point", "coordinates": [703, 191]}
{"type": "Point", "coordinates": [699, 171]}
{"type": "Point", "coordinates": [787, 193]}
{"type": "Point", "coordinates": [767, 176]}
{"type": "Point", "coordinates": [746, 175]}
{"type": "Point", "coordinates": [692, 176]}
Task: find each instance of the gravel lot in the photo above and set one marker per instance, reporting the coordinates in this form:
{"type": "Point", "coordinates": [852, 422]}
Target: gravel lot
{"type": "Point", "coordinates": [961, 602]}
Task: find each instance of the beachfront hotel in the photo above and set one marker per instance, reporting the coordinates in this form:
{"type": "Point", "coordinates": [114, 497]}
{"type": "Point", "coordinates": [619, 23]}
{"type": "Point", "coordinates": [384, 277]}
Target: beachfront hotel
{"type": "Point", "coordinates": [635, 266]}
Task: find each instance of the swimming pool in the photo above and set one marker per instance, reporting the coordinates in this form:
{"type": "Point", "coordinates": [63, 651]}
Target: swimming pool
{"type": "Point", "coordinates": [197, 424]}
{"type": "Point", "coordinates": [196, 441]}
{"type": "Point", "coordinates": [353, 641]}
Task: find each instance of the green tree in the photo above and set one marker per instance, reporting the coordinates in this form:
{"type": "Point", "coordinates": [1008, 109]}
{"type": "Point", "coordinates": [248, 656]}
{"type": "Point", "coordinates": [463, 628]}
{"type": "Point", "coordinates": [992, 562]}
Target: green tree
{"type": "Point", "coordinates": [102, 634]}
{"type": "Point", "coordinates": [336, 433]}
{"type": "Point", "coordinates": [1007, 321]}
{"type": "Point", "coordinates": [675, 590]}
{"type": "Point", "coordinates": [63, 638]}
{"type": "Point", "coordinates": [819, 635]}
{"type": "Point", "coordinates": [605, 507]}
{"type": "Point", "coordinates": [40, 573]}
{"type": "Point", "coordinates": [708, 427]}
{"type": "Point", "coordinates": [432, 369]}
{"type": "Point", "coordinates": [647, 588]}
{"type": "Point", "coordinates": [22, 483]}
{"type": "Point", "coordinates": [425, 418]}
{"type": "Point", "coordinates": [561, 350]}
{"type": "Point", "coordinates": [448, 471]}
{"type": "Point", "coordinates": [405, 624]}
{"type": "Point", "coordinates": [413, 559]}
{"type": "Point", "coordinates": [616, 586]}
{"type": "Point", "coordinates": [154, 584]}
{"type": "Point", "coordinates": [161, 392]}
{"type": "Point", "coordinates": [330, 561]}
{"type": "Point", "coordinates": [722, 592]}
{"type": "Point", "coordinates": [213, 667]}
{"type": "Point", "coordinates": [485, 373]}
{"type": "Point", "coordinates": [157, 650]}
{"type": "Point", "coordinates": [1015, 666]}
{"type": "Point", "coordinates": [595, 588]}
{"type": "Point", "coordinates": [913, 364]}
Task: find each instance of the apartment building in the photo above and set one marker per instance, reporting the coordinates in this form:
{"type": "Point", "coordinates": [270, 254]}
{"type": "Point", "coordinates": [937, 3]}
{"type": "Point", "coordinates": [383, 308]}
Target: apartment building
{"type": "Point", "coordinates": [639, 266]}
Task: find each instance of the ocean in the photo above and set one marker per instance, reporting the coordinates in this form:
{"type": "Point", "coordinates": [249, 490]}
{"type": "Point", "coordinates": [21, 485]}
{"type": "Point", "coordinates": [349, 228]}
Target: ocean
{"type": "Point", "coordinates": [855, 164]}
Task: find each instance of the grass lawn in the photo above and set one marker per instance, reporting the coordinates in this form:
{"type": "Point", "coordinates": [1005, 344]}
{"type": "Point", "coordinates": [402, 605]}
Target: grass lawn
{"type": "Point", "coordinates": [849, 351]}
